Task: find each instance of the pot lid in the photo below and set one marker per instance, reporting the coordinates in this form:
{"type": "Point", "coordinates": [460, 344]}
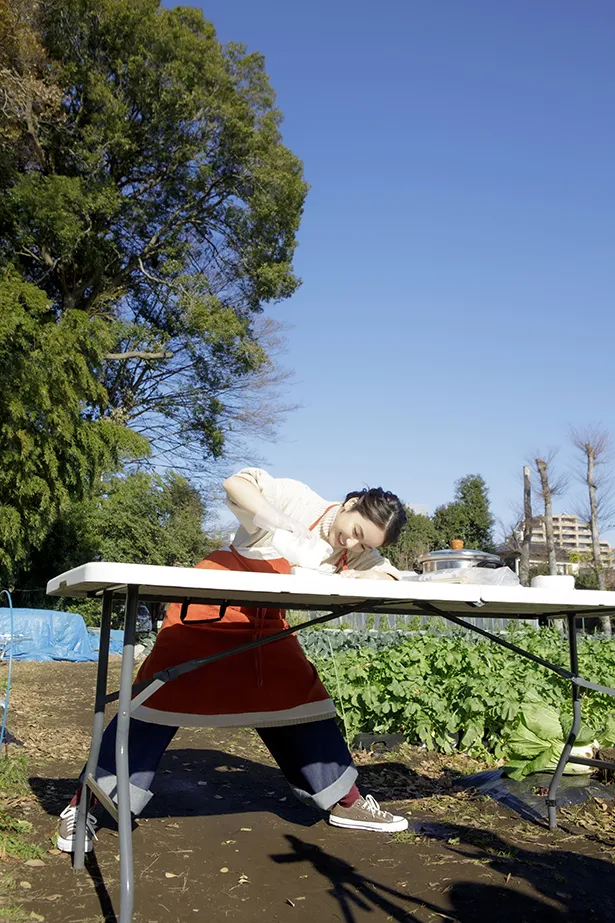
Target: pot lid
{"type": "Point", "coordinates": [458, 553]}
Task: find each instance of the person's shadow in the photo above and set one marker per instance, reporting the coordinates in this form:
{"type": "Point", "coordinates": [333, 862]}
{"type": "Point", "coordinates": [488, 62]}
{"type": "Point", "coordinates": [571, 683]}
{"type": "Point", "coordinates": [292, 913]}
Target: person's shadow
{"type": "Point", "coordinates": [186, 785]}
{"type": "Point", "coordinates": [472, 902]}
{"type": "Point", "coordinates": [580, 885]}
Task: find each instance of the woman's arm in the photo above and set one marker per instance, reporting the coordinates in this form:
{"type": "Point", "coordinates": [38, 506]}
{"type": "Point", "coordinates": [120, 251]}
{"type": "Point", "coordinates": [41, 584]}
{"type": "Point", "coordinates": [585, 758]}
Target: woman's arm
{"type": "Point", "coordinates": [371, 565]}
{"type": "Point", "coordinates": [244, 494]}
{"type": "Point", "coordinates": [248, 497]}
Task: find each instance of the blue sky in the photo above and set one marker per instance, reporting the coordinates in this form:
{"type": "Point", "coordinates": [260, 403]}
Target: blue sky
{"type": "Point", "coordinates": [457, 245]}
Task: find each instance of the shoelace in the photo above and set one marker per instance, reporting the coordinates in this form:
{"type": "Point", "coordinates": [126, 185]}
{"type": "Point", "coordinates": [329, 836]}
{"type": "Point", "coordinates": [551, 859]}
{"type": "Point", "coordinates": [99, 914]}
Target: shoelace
{"type": "Point", "coordinates": [71, 823]}
{"type": "Point", "coordinates": [373, 807]}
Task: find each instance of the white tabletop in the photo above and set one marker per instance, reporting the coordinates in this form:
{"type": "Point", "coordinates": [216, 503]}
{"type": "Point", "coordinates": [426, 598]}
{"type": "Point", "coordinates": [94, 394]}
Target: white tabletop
{"type": "Point", "coordinates": [321, 592]}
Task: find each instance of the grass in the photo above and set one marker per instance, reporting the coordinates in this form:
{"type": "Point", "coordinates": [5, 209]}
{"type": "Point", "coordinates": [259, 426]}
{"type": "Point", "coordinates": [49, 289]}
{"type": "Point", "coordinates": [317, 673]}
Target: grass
{"type": "Point", "coordinates": [11, 912]}
{"type": "Point", "coordinates": [404, 836]}
{"type": "Point", "coordinates": [14, 833]}
{"type": "Point", "coordinates": [13, 775]}
{"type": "Point", "coordinates": [14, 842]}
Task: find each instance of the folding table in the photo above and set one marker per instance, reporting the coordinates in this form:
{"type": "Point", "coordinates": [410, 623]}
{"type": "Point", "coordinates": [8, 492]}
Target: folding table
{"type": "Point", "coordinates": [336, 596]}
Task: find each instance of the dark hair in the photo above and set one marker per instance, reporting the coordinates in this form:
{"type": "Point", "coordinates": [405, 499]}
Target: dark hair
{"type": "Point", "coordinates": [381, 507]}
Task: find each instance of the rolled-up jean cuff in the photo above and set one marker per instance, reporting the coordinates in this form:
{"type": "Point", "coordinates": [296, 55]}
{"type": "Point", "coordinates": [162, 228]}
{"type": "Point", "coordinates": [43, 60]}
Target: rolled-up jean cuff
{"type": "Point", "coordinates": [331, 795]}
{"type": "Point", "coordinates": [139, 797]}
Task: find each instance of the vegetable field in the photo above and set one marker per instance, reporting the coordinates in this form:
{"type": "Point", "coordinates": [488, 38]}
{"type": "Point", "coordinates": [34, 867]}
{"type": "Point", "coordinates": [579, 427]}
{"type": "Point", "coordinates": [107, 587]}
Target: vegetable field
{"type": "Point", "coordinates": [450, 691]}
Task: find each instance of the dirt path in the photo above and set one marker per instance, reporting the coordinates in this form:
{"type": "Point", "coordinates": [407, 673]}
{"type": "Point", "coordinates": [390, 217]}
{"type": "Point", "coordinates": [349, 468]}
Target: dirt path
{"type": "Point", "coordinates": [224, 838]}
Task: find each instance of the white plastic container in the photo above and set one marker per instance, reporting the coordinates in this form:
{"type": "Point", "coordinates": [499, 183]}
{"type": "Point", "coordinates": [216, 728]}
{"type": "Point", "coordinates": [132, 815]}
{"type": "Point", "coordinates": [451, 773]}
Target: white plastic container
{"type": "Point", "coordinates": [553, 582]}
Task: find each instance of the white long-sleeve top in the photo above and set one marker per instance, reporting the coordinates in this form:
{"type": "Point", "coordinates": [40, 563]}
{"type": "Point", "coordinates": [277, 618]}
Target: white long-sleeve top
{"type": "Point", "coordinates": [301, 503]}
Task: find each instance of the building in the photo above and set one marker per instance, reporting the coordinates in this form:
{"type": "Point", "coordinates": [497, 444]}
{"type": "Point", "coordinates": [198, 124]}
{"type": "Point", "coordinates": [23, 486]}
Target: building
{"type": "Point", "coordinates": [572, 536]}
{"type": "Point", "coordinates": [539, 558]}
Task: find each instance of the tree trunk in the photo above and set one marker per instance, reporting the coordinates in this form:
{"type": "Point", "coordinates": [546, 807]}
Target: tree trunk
{"type": "Point", "coordinates": [605, 621]}
{"type": "Point", "coordinates": [546, 495]}
{"type": "Point", "coordinates": [524, 564]}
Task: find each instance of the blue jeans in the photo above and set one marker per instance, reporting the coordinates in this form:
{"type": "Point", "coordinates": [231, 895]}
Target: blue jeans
{"type": "Point", "coordinates": [313, 757]}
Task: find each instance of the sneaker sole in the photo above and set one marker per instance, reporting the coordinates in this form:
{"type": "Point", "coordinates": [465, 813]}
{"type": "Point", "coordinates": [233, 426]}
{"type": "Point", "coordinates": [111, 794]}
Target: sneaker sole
{"type": "Point", "coordinates": [68, 845]}
{"type": "Point", "coordinates": [396, 827]}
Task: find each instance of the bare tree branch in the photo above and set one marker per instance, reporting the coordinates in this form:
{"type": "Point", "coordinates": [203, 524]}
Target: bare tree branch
{"type": "Point", "coordinates": [139, 354]}
{"type": "Point", "coordinates": [595, 446]}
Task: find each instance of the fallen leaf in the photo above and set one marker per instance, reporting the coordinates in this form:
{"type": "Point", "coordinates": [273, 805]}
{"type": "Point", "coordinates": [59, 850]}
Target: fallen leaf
{"type": "Point", "coordinates": [53, 897]}
{"type": "Point", "coordinates": [219, 797]}
{"type": "Point", "coordinates": [37, 916]}
{"type": "Point", "coordinates": [54, 852]}
{"type": "Point", "coordinates": [25, 884]}
{"type": "Point", "coordinates": [170, 875]}
{"type": "Point", "coordinates": [247, 829]}
{"type": "Point", "coordinates": [201, 783]}
{"type": "Point", "coordinates": [224, 869]}
{"type": "Point", "coordinates": [35, 863]}
{"type": "Point", "coordinates": [173, 825]}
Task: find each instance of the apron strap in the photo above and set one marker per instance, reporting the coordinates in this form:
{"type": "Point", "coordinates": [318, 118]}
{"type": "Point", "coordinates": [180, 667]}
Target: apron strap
{"type": "Point", "coordinates": [342, 561]}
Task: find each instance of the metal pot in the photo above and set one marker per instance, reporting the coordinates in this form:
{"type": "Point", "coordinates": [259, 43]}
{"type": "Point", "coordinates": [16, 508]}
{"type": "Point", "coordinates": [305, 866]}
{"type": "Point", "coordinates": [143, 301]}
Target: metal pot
{"type": "Point", "coordinates": [457, 557]}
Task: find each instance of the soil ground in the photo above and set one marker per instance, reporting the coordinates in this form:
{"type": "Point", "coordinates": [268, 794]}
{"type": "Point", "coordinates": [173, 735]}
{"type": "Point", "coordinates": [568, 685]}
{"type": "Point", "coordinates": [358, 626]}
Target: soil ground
{"type": "Point", "coordinates": [224, 839]}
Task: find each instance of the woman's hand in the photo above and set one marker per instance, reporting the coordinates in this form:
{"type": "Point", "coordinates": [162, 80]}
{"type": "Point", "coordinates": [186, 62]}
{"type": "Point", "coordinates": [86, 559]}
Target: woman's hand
{"type": "Point", "coordinates": [366, 574]}
{"type": "Point", "coordinates": [248, 497]}
{"type": "Point", "coordinates": [270, 519]}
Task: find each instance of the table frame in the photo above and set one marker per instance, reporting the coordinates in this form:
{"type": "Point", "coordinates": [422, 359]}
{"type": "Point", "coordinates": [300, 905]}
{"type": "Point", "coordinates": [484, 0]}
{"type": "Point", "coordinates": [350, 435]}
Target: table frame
{"type": "Point", "coordinates": [146, 688]}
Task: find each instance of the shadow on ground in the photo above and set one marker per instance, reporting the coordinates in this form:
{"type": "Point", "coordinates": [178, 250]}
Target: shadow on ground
{"type": "Point", "coordinates": [199, 783]}
{"type": "Point", "coordinates": [210, 782]}
{"type": "Point", "coordinates": [473, 902]}
{"type": "Point", "coordinates": [438, 871]}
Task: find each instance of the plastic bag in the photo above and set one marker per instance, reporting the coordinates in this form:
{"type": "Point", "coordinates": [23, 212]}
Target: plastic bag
{"type": "Point", "coordinates": [525, 796]}
{"type": "Point", "coordinates": [483, 576]}
{"type": "Point", "coordinates": [304, 552]}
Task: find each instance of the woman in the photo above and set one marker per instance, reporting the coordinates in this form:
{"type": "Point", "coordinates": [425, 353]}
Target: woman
{"type": "Point", "coordinates": [273, 688]}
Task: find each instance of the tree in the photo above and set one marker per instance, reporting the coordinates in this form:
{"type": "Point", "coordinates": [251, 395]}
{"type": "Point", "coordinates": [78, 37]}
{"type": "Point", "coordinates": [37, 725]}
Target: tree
{"type": "Point", "coordinates": [418, 536]}
{"type": "Point", "coordinates": [524, 563]}
{"type": "Point", "coordinates": [467, 517]}
{"type": "Point", "coordinates": [141, 519]}
{"type": "Point", "coordinates": [550, 486]}
{"type": "Point", "coordinates": [52, 449]}
{"type": "Point", "coordinates": [145, 185]}
{"type": "Point", "coordinates": [594, 444]}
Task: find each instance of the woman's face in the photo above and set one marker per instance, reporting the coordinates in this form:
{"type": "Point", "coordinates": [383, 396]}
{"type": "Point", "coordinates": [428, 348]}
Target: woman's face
{"type": "Point", "coordinates": [353, 531]}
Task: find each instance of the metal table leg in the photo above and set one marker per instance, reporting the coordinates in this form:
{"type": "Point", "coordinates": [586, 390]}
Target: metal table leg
{"type": "Point", "coordinates": [574, 730]}
{"type": "Point", "coordinates": [97, 730]}
{"type": "Point", "coordinates": [121, 758]}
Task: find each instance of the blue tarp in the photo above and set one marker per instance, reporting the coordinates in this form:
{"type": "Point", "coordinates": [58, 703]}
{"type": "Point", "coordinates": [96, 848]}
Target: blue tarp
{"type": "Point", "coordinates": [116, 642]}
{"type": "Point", "coordinates": [43, 634]}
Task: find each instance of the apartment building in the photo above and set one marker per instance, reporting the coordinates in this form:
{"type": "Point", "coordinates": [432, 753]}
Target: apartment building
{"type": "Point", "coordinates": [572, 536]}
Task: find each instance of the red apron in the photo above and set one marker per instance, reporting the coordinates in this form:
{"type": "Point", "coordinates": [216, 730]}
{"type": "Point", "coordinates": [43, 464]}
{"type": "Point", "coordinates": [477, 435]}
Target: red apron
{"type": "Point", "coordinates": [272, 685]}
